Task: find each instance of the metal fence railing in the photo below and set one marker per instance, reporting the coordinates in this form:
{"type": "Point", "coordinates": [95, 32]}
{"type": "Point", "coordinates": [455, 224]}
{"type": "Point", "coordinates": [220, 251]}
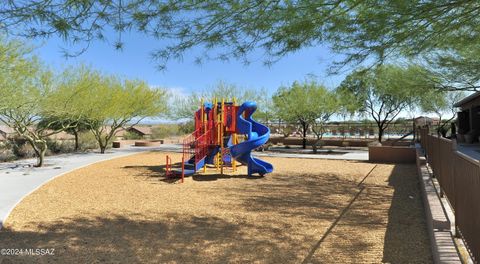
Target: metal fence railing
{"type": "Point", "coordinates": [344, 130]}
{"type": "Point", "coordinates": [459, 177]}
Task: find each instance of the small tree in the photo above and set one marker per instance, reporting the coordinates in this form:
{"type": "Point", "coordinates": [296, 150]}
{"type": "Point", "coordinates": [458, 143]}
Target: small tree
{"type": "Point", "coordinates": [384, 92]}
{"type": "Point", "coordinates": [329, 106]}
{"type": "Point", "coordinates": [185, 107]}
{"type": "Point", "coordinates": [441, 103]}
{"type": "Point", "coordinates": [110, 104]}
{"type": "Point", "coordinates": [29, 95]}
{"type": "Point", "coordinates": [71, 126]}
{"type": "Point", "coordinates": [304, 103]}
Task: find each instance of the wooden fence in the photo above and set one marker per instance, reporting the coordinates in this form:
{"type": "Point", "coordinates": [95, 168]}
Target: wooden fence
{"type": "Point", "coordinates": [459, 179]}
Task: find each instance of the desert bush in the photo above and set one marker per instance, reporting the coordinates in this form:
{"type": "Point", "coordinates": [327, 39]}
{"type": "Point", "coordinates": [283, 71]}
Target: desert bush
{"type": "Point", "coordinates": [6, 151]}
{"type": "Point", "coordinates": [165, 130]}
{"type": "Point", "coordinates": [131, 136]}
{"type": "Point", "coordinates": [86, 141]}
{"type": "Point", "coordinates": [186, 127]}
{"type": "Point", "coordinates": [21, 148]}
{"type": "Point", "coordinates": [60, 146]}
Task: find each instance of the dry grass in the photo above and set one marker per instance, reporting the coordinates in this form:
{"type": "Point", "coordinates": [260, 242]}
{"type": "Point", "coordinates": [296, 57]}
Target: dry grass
{"type": "Point", "coordinates": [123, 211]}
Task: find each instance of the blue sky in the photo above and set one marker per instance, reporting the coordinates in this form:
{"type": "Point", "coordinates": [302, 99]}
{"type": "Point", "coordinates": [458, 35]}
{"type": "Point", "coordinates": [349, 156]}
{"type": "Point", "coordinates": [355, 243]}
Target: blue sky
{"type": "Point", "coordinates": [134, 61]}
{"type": "Point", "coordinates": [183, 77]}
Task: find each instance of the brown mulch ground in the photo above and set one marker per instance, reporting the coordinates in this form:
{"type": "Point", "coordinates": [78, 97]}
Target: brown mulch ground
{"type": "Point", "coordinates": [308, 210]}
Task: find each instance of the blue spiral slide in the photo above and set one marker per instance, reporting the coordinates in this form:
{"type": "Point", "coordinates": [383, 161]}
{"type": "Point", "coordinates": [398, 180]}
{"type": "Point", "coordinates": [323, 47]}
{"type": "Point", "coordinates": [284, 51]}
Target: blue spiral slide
{"type": "Point", "coordinates": [257, 135]}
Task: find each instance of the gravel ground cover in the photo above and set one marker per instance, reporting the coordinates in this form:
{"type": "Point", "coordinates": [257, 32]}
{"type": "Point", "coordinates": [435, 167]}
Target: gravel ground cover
{"type": "Point", "coordinates": [308, 210]}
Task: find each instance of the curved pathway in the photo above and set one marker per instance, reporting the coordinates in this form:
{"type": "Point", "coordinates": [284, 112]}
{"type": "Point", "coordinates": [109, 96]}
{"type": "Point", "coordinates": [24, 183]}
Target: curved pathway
{"type": "Point", "coordinates": [19, 178]}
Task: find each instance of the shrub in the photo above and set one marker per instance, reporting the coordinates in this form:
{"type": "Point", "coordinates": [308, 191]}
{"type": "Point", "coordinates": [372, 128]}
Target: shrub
{"type": "Point", "coordinates": [165, 130]}
{"type": "Point", "coordinates": [21, 148]}
{"type": "Point", "coordinates": [186, 127]}
{"type": "Point", "coordinates": [131, 135]}
{"type": "Point", "coordinates": [6, 151]}
{"type": "Point", "coordinates": [86, 141]}
{"type": "Point", "coordinates": [60, 146]}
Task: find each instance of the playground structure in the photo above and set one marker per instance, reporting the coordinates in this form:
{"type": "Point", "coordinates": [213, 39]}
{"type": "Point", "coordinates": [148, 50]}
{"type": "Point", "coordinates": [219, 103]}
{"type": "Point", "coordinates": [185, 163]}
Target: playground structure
{"type": "Point", "coordinates": [225, 134]}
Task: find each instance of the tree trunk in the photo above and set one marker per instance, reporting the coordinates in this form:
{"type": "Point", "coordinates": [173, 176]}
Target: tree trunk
{"type": "Point", "coordinates": [304, 128]}
{"type": "Point", "coordinates": [39, 151]}
{"type": "Point", "coordinates": [103, 147]}
{"type": "Point", "coordinates": [381, 130]}
{"type": "Point", "coordinates": [315, 145]}
{"type": "Point", "coordinates": [41, 157]}
{"type": "Point", "coordinates": [98, 137]}
{"type": "Point", "coordinates": [75, 133]}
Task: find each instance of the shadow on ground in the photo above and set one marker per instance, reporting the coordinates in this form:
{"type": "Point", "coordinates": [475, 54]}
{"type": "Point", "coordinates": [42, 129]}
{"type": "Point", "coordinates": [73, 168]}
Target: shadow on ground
{"type": "Point", "coordinates": [158, 172]}
{"type": "Point", "coordinates": [406, 234]}
{"type": "Point", "coordinates": [286, 217]}
{"type": "Point", "coordinates": [126, 239]}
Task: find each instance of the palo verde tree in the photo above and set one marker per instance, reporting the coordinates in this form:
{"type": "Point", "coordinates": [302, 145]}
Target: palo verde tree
{"type": "Point", "coordinates": [109, 104]}
{"type": "Point", "coordinates": [305, 103]}
{"type": "Point", "coordinates": [363, 31]}
{"type": "Point", "coordinates": [441, 103]}
{"type": "Point", "coordinates": [71, 126]}
{"type": "Point", "coordinates": [185, 107]}
{"type": "Point", "coordinates": [30, 96]}
{"type": "Point", "coordinates": [384, 92]}
{"type": "Point", "coordinates": [328, 105]}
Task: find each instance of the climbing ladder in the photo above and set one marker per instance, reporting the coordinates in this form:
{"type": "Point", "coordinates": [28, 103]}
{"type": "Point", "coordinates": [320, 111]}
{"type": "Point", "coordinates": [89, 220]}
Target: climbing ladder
{"type": "Point", "coordinates": [194, 152]}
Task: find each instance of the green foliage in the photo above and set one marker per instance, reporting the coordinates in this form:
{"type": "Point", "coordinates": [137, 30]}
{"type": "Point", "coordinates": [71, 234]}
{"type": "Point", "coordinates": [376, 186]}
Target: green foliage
{"type": "Point", "coordinates": [21, 147]}
{"type": "Point", "coordinates": [30, 94]}
{"type": "Point", "coordinates": [60, 146]}
{"type": "Point", "coordinates": [185, 107]}
{"type": "Point", "coordinates": [6, 151]}
{"type": "Point", "coordinates": [87, 141]}
{"type": "Point", "coordinates": [363, 31]}
{"type": "Point", "coordinates": [71, 126]}
{"type": "Point", "coordinates": [186, 127]}
{"type": "Point", "coordinates": [383, 93]}
{"type": "Point", "coordinates": [107, 103]}
{"type": "Point", "coordinates": [165, 130]}
{"type": "Point", "coordinates": [440, 102]}
{"type": "Point", "coordinates": [306, 103]}
{"type": "Point", "coordinates": [37, 104]}
{"type": "Point", "coordinates": [131, 135]}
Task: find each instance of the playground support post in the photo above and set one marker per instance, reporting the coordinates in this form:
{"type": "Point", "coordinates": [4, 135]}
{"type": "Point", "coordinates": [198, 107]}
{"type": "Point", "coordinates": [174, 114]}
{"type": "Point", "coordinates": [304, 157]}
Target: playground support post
{"type": "Point", "coordinates": [168, 167]}
{"type": "Point", "coordinates": [217, 128]}
{"type": "Point", "coordinates": [203, 125]}
{"type": "Point", "coordinates": [201, 116]}
{"type": "Point", "coordinates": [221, 135]}
{"type": "Point", "coordinates": [205, 121]}
{"type": "Point", "coordinates": [234, 135]}
{"type": "Point", "coordinates": [183, 168]}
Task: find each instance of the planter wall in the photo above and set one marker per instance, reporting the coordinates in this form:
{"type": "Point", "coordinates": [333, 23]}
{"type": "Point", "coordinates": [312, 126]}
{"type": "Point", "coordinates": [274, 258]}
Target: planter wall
{"type": "Point", "coordinates": [392, 154]}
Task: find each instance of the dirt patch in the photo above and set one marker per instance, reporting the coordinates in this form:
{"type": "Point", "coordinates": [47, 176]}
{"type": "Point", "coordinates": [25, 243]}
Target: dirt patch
{"type": "Point", "coordinates": [123, 210]}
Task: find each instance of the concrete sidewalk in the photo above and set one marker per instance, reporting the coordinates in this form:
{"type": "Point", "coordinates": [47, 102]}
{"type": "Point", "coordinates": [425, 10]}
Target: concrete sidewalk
{"type": "Point", "coordinates": [20, 178]}
{"type": "Point", "coordinates": [341, 154]}
{"type": "Point", "coordinates": [349, 155]}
